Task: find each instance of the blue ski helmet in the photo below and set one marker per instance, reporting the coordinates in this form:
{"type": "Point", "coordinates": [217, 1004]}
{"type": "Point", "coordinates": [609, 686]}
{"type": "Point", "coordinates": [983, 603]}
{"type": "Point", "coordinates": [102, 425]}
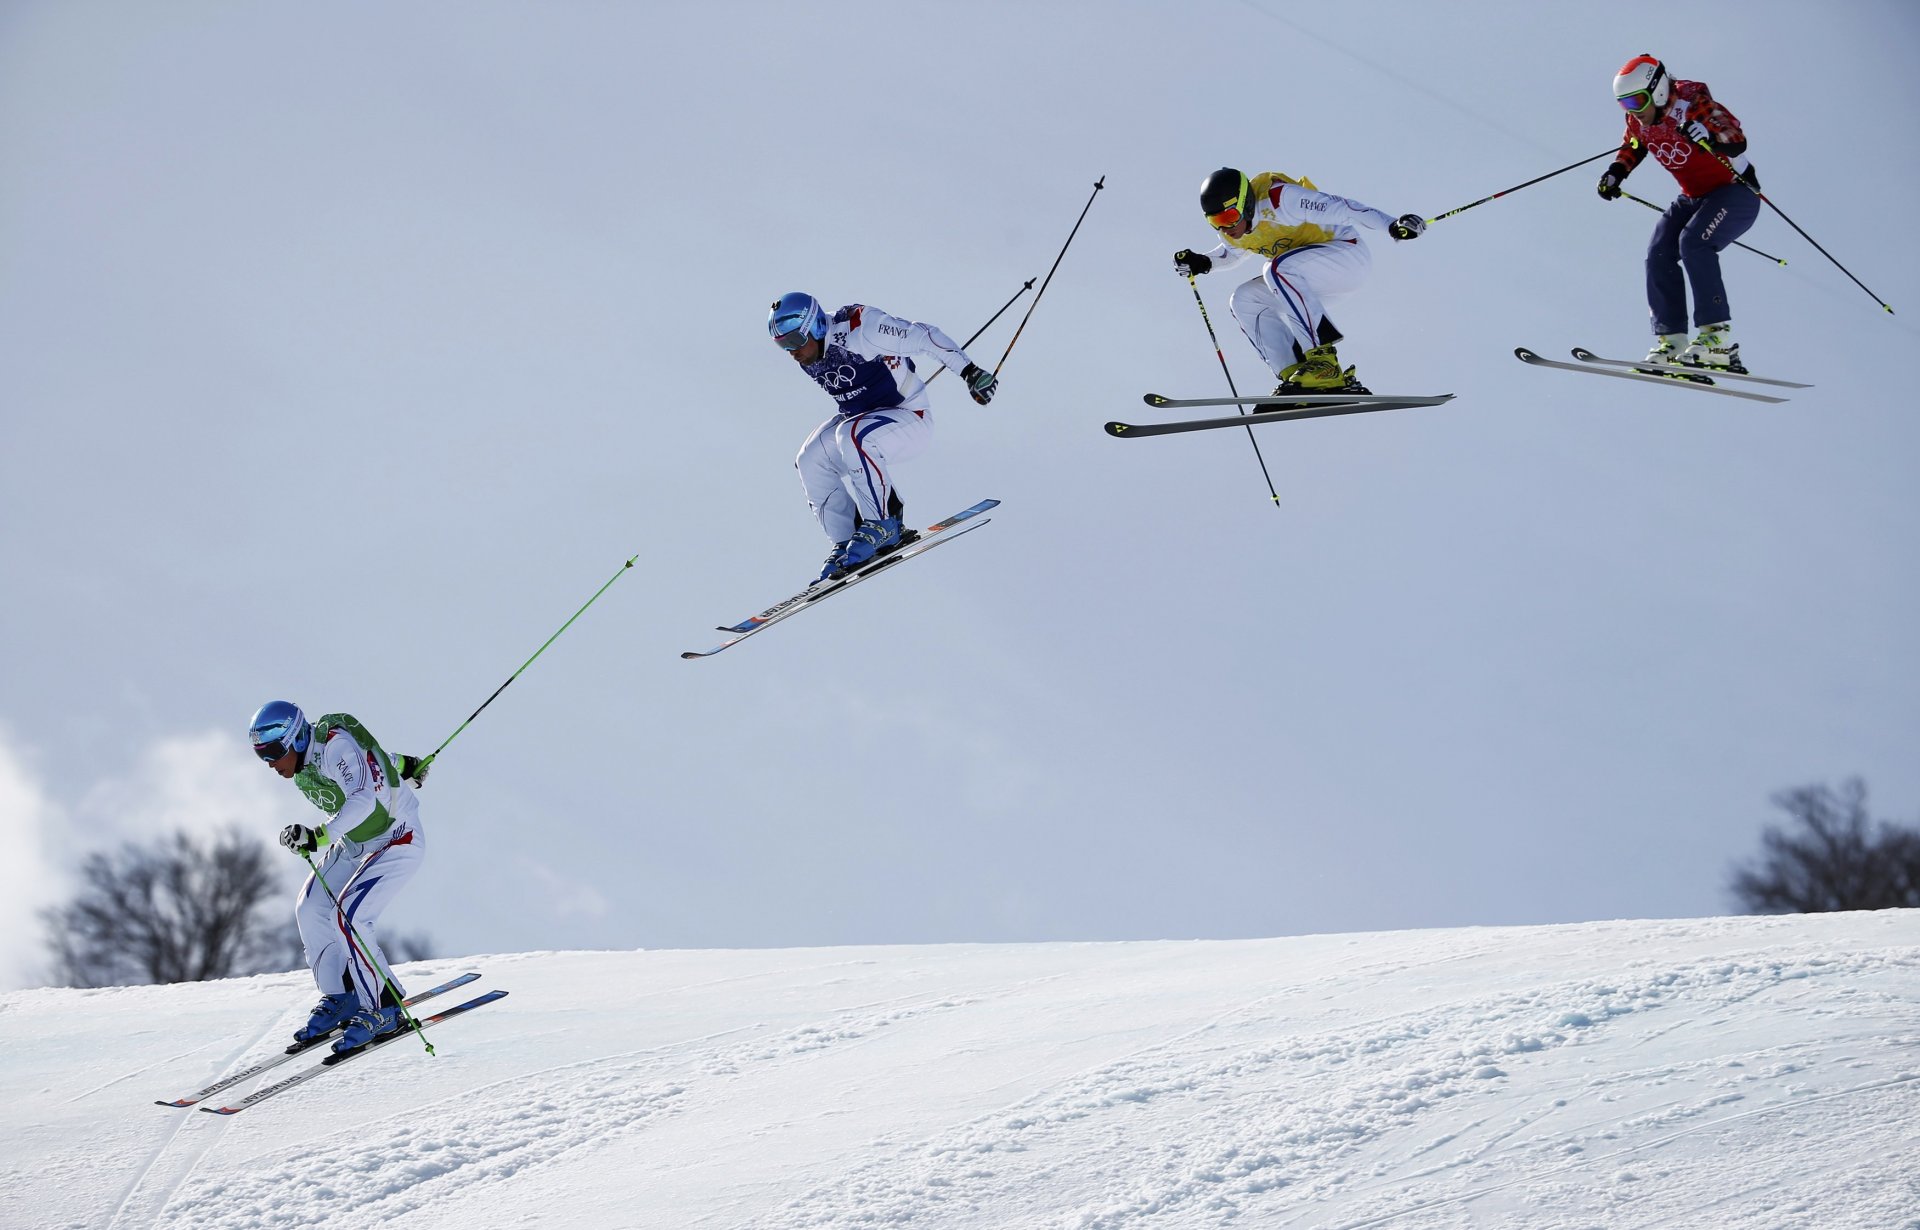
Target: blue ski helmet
{"type": "Point", "coordinates": [280, 728]}
{"type": "Point", "coordinates": [796, 319]}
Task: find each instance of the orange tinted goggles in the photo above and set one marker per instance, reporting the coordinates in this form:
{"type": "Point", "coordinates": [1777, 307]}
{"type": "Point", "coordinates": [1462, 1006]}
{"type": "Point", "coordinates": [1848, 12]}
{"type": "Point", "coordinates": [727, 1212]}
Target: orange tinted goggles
{"type": "Point", "coordinates": [1226, 217]}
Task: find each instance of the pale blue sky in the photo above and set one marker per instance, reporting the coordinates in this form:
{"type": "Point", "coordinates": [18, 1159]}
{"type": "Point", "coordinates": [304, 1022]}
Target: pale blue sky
{"type": "Point", "coordinates": [343, 354]}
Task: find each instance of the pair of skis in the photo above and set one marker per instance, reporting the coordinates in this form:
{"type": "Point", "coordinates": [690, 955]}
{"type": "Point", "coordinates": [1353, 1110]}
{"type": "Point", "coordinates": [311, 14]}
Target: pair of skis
{"type": "Point", "coordinates": [1278, 409]}
{"type": "Point", "coordinates": [1673, 375]}
{"type": "Point", "coordinates": [1272, 409]}
{"type": "Point", "coordinates": [1269, 409]}
{"type": "Point", "coordinates": [939, 532]}
{"type": "Point", "coordinates": [331, 1060]}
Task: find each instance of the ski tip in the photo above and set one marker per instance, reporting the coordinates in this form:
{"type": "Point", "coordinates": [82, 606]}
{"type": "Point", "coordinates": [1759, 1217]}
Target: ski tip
{"type": "Point", "coordinates": [1155, 400]}
{"type": "Point", "coordinates": [223, 1110]}
{"type": "Point", "coordinates": [184, 1102]}
{"type": "Point", "coordinates": [1119, 429]}
{"type": "Point", "coordinates": [1584, 355]}
{"type": "Point", "coordinates": [1524, 355]}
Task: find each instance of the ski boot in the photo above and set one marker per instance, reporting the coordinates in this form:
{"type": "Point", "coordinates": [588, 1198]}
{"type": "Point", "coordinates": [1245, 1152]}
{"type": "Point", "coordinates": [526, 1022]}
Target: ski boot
{"type": "Point", "coordinates": [327, 1016]}
{"type": "Point", "coordinates": [870, 538]}
{"type": "Point", "coordinates": [1318, 371]}
{"type": "Point", "coordinates": [836, 564]}
{"type": "Point", "coordinates": [365, 1027]}
{"type": "Point", "coordinates": [1666, 348]}
{"type": "Point", "coordinates": [1714, 349]}
{"type": "Point", "coordinates": [1667, 353]}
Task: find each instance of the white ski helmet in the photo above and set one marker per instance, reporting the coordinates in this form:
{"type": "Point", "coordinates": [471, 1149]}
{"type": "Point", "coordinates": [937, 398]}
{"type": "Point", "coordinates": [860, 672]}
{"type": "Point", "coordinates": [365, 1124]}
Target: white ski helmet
{"type": "Point", "coordinates": [1642, 85]}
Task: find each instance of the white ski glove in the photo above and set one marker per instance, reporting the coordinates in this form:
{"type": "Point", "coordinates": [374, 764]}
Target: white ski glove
{"type": "Point", "coordinates": [1408, 226]}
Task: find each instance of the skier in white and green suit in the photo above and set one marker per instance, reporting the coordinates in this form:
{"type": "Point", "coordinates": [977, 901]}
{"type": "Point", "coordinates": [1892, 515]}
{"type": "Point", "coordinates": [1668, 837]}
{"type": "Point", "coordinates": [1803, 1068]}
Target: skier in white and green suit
{"type": "Point", "coordinates": [369, 847]}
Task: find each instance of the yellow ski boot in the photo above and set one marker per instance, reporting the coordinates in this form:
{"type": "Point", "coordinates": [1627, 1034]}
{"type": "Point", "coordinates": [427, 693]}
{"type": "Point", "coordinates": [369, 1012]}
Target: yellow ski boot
{"type": "Point", "coordinates": [1318, 371]}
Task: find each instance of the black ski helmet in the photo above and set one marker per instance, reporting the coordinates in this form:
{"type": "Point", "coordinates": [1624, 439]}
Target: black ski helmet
{"type": "Point", "coordinates": [1222, 190]}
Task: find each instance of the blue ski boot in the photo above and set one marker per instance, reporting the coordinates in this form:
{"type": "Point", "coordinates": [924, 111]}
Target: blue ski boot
{"type": "Point", "coordinates": [329, 1014]}
{"type": "Point", "coordinates": [364, 1028]}
{"type": "Point", "coordinates": [870, 538]}
{"type": "Point", "coordinates": [835, 565]}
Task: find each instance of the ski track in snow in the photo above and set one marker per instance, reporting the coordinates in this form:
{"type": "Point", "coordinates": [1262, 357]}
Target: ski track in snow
{"type": "Point", "coordinates": [1244, 1147]}
{"type": "Point", "coordinates": [181, 1150]}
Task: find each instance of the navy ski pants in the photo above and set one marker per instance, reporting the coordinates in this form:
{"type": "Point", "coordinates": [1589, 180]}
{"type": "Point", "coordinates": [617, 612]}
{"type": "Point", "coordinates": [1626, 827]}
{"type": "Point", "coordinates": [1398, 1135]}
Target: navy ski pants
{"type": "Point", "coordinates": [1690, 234]}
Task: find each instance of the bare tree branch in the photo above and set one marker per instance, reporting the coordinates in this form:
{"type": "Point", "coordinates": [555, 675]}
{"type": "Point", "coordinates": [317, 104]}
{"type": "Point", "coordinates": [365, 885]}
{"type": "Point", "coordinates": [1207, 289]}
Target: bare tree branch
{"type": "Point", "coordinates": [1837, 858]}
{"type": "Point", "coordinates": [175, 911]}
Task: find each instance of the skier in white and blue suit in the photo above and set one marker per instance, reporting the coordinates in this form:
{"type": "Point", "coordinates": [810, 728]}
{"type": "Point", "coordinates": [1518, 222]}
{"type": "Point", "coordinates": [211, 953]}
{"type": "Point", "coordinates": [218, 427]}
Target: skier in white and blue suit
{"type": "Point", "coordinates": [863, 358]}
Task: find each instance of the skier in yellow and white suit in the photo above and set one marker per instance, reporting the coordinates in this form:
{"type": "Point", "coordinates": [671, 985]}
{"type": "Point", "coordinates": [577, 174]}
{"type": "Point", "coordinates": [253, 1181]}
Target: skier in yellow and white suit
{"type": "Point", "coordinates": [1312, 250]}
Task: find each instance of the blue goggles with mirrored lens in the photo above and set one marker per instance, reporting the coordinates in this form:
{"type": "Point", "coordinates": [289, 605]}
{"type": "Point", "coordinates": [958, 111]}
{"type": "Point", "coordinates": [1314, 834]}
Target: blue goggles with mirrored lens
{"type": "Point", "coordinates": [1639, 100]}
{"type": "Point", "coordinates": [794, 336]}
{"type": "Point", "coordinates": [272, 745]}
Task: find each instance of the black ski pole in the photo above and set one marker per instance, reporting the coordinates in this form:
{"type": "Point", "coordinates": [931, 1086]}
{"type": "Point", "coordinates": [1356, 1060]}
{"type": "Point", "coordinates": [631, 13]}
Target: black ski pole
{"type": "Point", "coordinates": [428, 759]}
{"type": "Point", "coordinates": [1790, 222]}
{"type": "Point", "coordinates": [983, 328]}
{"type": "Point", "coordinates": [1208, 321]}
{"type": "Point", "coordinates": [996, 316]}
{"type": "Point", "coordinates": [1549, 175]}
{"type": "Point", "coordinates": [1736, 243]}
{"type": "Point", "coordinates": [1098, 185]}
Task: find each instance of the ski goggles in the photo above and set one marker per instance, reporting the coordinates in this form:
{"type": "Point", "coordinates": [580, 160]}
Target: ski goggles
{"type": "Point", "coordinates": [274, 749]}
{"type": "Point", "coordinates": [1226, 217]}
{"type": "Point", "coordinates": [1637, 101]}
{"type": "Point", "coordinates": [272, 742]}
{"type": "Point", "coordinates": [794, 338]}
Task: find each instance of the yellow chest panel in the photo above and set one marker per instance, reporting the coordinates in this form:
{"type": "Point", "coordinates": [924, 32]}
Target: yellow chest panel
{"type": "Point", "coordinates": [1271, 237]}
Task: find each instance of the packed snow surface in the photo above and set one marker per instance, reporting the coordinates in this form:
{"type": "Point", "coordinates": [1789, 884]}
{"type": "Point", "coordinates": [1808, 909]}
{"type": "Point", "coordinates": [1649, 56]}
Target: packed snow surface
{"type": "Point", "coordinates": [1718, 1072]}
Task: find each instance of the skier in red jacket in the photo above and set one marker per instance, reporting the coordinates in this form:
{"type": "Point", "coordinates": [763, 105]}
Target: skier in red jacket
{"type": "Point", "coordinates": [1673, 120]}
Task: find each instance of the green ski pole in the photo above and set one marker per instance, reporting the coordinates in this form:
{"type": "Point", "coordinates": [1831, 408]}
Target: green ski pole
{"type": "Point", "coordinates": [366, 954]}
{"type": "Point", "coordinates": [428, 759]}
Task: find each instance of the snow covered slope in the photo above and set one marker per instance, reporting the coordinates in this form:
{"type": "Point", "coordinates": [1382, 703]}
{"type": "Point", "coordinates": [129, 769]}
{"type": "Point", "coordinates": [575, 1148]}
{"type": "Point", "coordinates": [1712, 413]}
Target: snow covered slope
{"type": "Point", "coordinates": [1718, 1072]}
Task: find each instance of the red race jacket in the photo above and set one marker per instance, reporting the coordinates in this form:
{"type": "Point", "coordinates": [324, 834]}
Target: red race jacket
{"type": "Point", "coordinates": [1698, 171]}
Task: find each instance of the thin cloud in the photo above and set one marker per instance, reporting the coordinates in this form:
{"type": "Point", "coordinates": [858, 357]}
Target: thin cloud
{"type": "Point", "coordinates": [28, 877]}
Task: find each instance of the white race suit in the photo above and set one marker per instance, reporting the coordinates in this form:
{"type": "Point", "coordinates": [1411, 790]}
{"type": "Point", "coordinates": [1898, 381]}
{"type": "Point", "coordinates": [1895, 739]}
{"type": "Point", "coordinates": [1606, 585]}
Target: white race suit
{"type": "Point", "coordinates": [866, 364]}
{"type": "Point", "coordinates": [1312, 251]}
{"type": "Point", "coordinates": [373, 846]}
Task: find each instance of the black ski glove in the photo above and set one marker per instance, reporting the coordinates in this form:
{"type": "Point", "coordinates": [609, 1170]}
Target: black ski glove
{"type": "Point", "coordinates": [1408, 226]}
{"type": "Point", "coordinates": [413, 769]}
{"type": "Point", "coordinates": [981, 383]}
{"type": "Point", "coordinates": [1610, 182]}
{"type": "Point", "coordinates": [1187, 263]}
{"type": "Point", "coordinates": [300, 839]}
